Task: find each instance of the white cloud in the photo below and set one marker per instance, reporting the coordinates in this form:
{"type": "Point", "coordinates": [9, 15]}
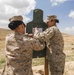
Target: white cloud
{"type": "Point", "coordinates": [71, 14]}
{"type": "Point", "coordinates": [56, 2]}
{"type": "Point", "coordinates": [9, 8]}
{"type": "Point", "coordinates": [69, 30]}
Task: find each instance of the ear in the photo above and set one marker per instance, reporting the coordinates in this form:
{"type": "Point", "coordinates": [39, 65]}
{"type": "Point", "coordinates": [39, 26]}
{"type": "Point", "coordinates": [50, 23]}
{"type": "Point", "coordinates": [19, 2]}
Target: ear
{"type": "Point", "coordinates": [22, 25]}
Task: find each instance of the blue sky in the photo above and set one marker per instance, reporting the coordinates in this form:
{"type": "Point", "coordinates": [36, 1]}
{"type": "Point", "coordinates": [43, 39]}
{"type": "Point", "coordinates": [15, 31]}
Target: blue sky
{"type": "Point", "coordinates": [64, 9]}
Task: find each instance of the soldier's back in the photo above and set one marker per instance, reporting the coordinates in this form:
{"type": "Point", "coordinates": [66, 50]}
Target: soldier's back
{"type": "Point", "coordinates": [19, 55]}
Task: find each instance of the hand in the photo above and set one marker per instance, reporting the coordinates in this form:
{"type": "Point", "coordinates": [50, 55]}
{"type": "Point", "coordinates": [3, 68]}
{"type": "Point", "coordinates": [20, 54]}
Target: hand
{"type": "Point", "coordinates": [30, 35]}
{"type": "Point", "coordinates": [35, 29]}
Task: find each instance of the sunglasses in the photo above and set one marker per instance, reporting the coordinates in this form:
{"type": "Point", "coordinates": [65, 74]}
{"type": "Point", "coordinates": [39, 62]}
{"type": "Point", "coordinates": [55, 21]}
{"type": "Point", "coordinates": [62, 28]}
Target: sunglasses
{"type": "Point", "coordinates": [50, 21]}
{"type": "Point", "coordinates": [57, 21]}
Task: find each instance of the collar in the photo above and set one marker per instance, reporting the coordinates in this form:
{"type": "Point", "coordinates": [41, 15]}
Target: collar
{"type": "Point", "coordinates": [20, 35]}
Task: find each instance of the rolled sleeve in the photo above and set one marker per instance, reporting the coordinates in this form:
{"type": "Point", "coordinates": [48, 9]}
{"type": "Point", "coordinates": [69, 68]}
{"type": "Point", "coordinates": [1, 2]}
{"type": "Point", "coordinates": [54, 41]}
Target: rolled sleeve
{"type": "Point", "coordinates": [37, 44]}
{"type": "Point", "coordinates": [45, 35]}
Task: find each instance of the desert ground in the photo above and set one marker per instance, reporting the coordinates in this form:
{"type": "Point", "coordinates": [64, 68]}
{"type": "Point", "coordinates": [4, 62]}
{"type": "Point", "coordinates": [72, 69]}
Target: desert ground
{"type": "Point", "coordinates": [38, 67]}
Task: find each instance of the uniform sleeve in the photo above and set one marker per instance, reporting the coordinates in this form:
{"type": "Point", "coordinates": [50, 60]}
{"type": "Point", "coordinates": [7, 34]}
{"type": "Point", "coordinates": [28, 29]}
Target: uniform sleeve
{"type": "Point", "coordinates": [36, 44]}
{"type": "Point", "coordinates": [45, 35]}
{"type": "Point", "coordinates": [9, 46]}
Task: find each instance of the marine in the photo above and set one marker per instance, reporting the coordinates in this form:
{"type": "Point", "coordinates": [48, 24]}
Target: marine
{"type": "Point", "coordinates": [55, 45]}
{"type": "Point", "coordinates": [19, 49]}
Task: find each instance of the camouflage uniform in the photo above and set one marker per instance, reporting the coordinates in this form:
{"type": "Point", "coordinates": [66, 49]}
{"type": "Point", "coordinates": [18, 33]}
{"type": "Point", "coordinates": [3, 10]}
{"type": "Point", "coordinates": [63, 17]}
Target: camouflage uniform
{"type": "Point", "coordinates": [19, 49]}
{"type": "Point", "coordinates": [55, 45]}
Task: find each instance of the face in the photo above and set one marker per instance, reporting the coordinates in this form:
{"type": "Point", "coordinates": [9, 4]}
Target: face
{"type": "Point", "coordinates": [51, 23]}
{"type": "Point", "coordinates": [21, 28]}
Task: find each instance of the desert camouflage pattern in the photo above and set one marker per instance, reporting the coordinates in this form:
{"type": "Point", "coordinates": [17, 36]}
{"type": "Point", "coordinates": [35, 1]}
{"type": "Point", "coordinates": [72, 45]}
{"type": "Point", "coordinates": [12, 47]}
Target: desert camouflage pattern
{"type": "Point", "coordinates": [55, 45]}
{"type": "Point", "coordinates": [16, 18]}
{"type": "Point", "coordinates": [19, 49]}
{"type": "Point", "coordinates": [51, 17]}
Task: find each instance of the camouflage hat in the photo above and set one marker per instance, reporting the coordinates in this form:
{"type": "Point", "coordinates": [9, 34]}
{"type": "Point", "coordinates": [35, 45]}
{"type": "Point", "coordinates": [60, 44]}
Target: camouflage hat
{"type": "Point", "coordinates": [16, 18]}
{"type": "Point", "coordinates": [15, 21]}
{"type": "Point", "coordinates": [52, 17]}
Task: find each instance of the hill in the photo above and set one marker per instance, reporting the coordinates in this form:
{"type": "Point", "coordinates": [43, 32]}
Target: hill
{"type": "Point", "coordinates": [4, 32]}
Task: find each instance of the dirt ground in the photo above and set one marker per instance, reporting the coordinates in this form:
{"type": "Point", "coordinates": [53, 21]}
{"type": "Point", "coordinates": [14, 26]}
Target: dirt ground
{"type": "Point", "coordinates": [69, 69]}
